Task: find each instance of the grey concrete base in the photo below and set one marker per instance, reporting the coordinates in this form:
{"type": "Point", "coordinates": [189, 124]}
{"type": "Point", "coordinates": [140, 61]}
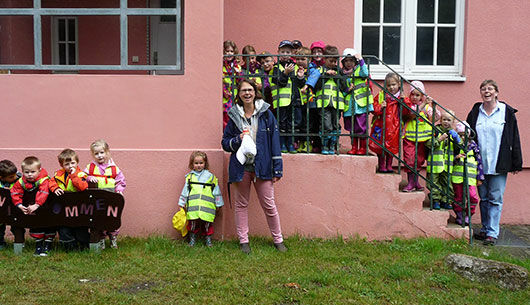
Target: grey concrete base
{"type": "Point", "coordinates": [17, 248]}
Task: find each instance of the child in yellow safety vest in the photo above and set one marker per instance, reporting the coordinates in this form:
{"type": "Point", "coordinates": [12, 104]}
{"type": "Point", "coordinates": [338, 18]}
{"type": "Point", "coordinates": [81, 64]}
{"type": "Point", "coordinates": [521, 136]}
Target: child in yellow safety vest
{"type": "Point", "coordinates": [440, 157]}
{"type": "Point", "coordinates": [70, 178]}
{"type": "Point", "coordinates": [231, 68]}
{"type": "Point", "coordinates": [106, 174]}
{"type": "Point", "coordinates": [475, 175]}
{"type": "Point", "coordinates": [418, 130]}
{"type": "Point", "coordinates": [200, 197]}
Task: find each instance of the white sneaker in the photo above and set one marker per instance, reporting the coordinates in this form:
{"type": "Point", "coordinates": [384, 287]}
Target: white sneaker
{"type": "Point", "coordinates": [102, 244]}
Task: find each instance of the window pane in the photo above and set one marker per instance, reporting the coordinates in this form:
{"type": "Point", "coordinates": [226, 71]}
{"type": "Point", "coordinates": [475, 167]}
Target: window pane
{"type": "Point", "coordinates": [62, 30]}
{"type": "Point", "coordinates": [71, 54]}
{"type": "Point", "coordinates": [446, 11]}
{"type": "Point", "coordinates": [370, 41]}
{"type": "Point", "coordinates": [71, 29]}
{"type": "Point", "coordinates": [80, 4]}
{"type": "Point", "coordinates": [446, 47]}
{"type": "Point", "coordinates": [371, 10]}
{"type": "Point", "coordinates": [168, 4]}
{"type": "Point", "coordinates": [16, 43]}
{"type": "Point", "coordinates": [391, 44]}
{"type": "Point", "coordinates": [392, 11]}
{"type": "Point", "coordinates": [62, 54]}
{"type": "Point", "coordinates": [426, 11]}
{"type": "Point", "coordinates": [424, 46]}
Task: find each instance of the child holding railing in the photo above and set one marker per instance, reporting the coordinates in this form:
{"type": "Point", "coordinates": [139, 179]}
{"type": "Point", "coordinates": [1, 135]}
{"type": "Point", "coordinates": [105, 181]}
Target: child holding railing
{"type": "Point", "coordinates": [230, 68]}
{"type": "Point", "coordinates": [418, 130]}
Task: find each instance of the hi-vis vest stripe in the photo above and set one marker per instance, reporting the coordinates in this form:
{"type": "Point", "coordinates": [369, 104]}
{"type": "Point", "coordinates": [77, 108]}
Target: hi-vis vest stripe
{"type": "Point", "coordinates": [107, 180]}
{"type": "Point", "coordinates": [458, 170]}
{"type": "Point", "coordinates": [330, 92]}
{"type": "Point", "coordinates": [231, 85]}
{"type": "Point", "coordinates": [201, 201]}
{"type": "Point", "coordinates": [35, 186]}
{"type": "Point", "coordinates": [422, 131]}
{"type": "Point", "coordinates": [281, 96]}
{"type": "Point", "coordinates": [361, 93]}
{"type": "Point", "coordinates": [441, 159]}
{"type": "Point", "coordinates": [304, 97]}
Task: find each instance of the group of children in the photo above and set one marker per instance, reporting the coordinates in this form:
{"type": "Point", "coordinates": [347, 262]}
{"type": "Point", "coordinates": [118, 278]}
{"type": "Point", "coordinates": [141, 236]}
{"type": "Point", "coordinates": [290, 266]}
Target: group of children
{"type": "Point", "coordinates": [102, 173]}
{"type": "Point", "coordinates": [309, 92]}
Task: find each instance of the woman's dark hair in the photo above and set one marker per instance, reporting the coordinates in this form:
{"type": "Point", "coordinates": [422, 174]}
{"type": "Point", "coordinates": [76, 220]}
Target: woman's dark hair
{"type": "Point", "coordinates": [490, 82]}
{"type": "Point", "coordinates": [250, 82]}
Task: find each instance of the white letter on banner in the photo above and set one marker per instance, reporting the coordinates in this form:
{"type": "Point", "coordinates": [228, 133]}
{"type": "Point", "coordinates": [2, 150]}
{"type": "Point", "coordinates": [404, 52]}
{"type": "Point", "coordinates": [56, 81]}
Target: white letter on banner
{"type": "Point", "coordinates": [113, 211]}
{"type": "Point", "coordinates": [71, 211]}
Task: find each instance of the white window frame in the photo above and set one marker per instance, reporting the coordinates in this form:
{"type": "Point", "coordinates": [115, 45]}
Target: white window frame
{"type": "Point", "coordinates": [55, 39]}
{"type": "Point", "coordinates": [407, 66]}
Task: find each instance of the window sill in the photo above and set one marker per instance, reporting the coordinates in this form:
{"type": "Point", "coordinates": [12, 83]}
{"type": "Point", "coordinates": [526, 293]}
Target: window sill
{"type": "Point", "coordinates": [433, 76]}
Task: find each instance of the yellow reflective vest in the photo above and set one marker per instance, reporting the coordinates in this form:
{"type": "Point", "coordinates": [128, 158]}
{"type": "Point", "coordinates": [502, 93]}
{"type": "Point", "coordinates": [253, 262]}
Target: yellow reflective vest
{"type": "Point", "coordinates": [361, 94]}
{"type": "Point", "coordinates": [106, 180]}
{"type": "Point", "coordinates": [422, 131]}
{"type": "Point", "coordinates": [330, 93]}
{"type": "Point", "coordinates": [441, 159]}
{"type": "Point", "coordinates": [458, 169]}
{"type": "Point", "coordinates": [35, 186]}
{"type": "Point", "coordinates": [201, 201]}
{"type": "Point", "coordinates": [281, 95]}
{"type": "Point", "coordinates": [69, 187]}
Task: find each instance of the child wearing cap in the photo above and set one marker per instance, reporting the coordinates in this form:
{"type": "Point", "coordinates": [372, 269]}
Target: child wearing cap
{"type": "Point", "coordinates": [475, 174]}
{"type": "Point", "coordinates": [418, 130]}
{"type": "Point", "coordinates": [358, 100]}
{"type": "Point", "coordinates": [285, 95]}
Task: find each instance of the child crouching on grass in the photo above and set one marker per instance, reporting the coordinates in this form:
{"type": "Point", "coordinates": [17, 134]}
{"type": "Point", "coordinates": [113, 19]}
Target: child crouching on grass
{"type": "Point", "coordinates": [200, 197]}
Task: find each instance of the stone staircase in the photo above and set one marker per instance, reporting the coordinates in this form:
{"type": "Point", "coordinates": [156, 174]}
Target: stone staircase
{"type": "Point", "coordinates": [341, 195]}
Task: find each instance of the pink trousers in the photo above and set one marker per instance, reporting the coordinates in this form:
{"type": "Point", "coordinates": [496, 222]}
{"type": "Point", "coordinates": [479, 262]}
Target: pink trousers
{"type": "Point", "coordinates": [265, 192]}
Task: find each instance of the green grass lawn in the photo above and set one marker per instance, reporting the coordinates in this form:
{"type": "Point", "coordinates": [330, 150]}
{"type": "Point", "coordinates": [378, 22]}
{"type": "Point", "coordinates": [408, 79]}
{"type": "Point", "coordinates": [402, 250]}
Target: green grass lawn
{"type": "Point", "coordinates": [159, 270]}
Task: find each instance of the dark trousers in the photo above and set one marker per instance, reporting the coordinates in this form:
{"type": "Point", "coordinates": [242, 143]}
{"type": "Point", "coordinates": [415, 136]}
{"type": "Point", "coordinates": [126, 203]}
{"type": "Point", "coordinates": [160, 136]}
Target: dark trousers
{"type": "Point", "coordinates": [195, 226]}
{"type": "Point", "coordinates": [75, 236]}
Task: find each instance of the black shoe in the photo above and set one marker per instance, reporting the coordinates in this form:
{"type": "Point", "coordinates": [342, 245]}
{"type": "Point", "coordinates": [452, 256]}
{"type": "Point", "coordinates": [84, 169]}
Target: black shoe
{"type": "Point", "coordinates": [245, 248]}
{"type": "Point", "coordinates": [38, 248]}
{"type": "Point", "coordinates": [489, 241]}
{"type": "Point", "coordinates": [46, 249]}
{"type": "Point", "coordinates": [280, 247]}
{"type": "Point", "coordinates": [479, 236]}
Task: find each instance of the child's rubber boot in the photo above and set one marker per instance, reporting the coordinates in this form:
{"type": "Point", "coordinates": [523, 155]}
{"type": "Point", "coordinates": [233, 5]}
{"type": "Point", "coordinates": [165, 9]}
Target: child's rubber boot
{"type": "Point", "coordinates": [458, 219]}
{"type": "Point", "coordinates": [46, 248]}
{"type": "Point", "coordinates": [208, 241]}
{"type": "Point", "coordinates": [436, 205]}
{"type": "Point", "coordinates": [354, 145]}
{"type": "Point", "coordinates": [193, 240]}
{"type": "Point", "coordinates": [283, 147]}
{"type": "Point", "coordinates": [302, 148]}
{"type": "Point", "coordinates": [446, 206]}
{"type": "Point", "coordinates": [410, 183]}
{"type": "Point", "coordinates": [290, 146]}
{"type": "Point", "coordinates": [325, 148]}
{"type": "Point", "coordinates": [17, 248]}
{"type": "Point", "coordinates": [113, 241]}
{"type": "Point", "coordinates": [466, 220]}
{"type": "Point", "coordinates": [95, 247]}
{"type": "Point", "coordinates": [389, 160]}
{"type": "Point", "coordinates": [417, 184]}
{"type": "Point", "coordinates": [362, 147]}
{"type": "Point", "coordinates": [381, 166]}
{"type": "Point", "coordinates": [332, 145]}
{"type": "Point", "coordinates": [38, 248]}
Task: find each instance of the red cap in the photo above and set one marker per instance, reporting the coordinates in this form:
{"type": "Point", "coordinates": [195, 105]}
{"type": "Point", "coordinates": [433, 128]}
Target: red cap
{"type": "Point", "coordinates": [318, 44]}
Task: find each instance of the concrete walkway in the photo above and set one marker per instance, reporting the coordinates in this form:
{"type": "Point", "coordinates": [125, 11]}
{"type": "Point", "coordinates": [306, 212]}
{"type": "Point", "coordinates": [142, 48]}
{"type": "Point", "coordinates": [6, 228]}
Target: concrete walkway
{"type": "Point", "coordinates": [514, 239]}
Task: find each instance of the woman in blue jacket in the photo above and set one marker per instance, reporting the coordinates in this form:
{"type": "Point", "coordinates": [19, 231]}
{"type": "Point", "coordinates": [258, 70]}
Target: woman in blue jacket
{"type": "Point", "coordinates": [251, 116]}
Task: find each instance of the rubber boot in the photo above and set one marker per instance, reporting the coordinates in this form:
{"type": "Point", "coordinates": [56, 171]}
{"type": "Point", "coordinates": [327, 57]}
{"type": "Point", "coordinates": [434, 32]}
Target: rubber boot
{"type": "Point", "coordinates": [193, 239]}
{"type": "Point", "coordinates": [417, 184]}
{"type": "Point", "coordinates": [17, 248]}
{"type": "Point", "coordinates": [283, 146]}
{"type": "Point", "coordinates": [38, 248]}
{"type": "Point", "coordinates": [332, 145]}
{"type": "Point", "coordinates": [466, 220]}
{"type": "Point", "coordinates": [389, 159]}
{"type": "Point", "coordinates": [381, 167]}
{"type": "Point", "coordinates": [95, 247]}
{"type": "Point", "coordinates": [362, 147]}
{"type": "Point", "coordinates": [290, 145]}
{"type": "Point", "coordinates": [354, 145]}
{"type": "Point", "coordinates": [208, 240]}
{"type": "Point", "coordinates": [458, 218]}
{"type": "Point", "coordinates": [410, 185]}
{"type": "Point", "coordinates": [325, 149]}
{"type": "Point", "coordinates": [46, 248]}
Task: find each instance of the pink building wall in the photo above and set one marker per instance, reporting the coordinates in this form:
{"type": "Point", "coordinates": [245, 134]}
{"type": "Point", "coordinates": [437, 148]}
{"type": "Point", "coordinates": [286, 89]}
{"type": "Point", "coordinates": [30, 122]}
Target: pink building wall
{"type": "Point", "coordinates": [495, 48]}
{"type": "Point", "coordinates": [154, 122]}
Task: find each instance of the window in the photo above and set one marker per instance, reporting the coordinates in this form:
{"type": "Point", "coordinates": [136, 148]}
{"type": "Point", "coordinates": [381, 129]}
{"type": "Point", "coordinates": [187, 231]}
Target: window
{"type": "Point", "coordinates": [110, 35]}
{"type": "Point", "coordinates": [64, 43]}
{"type": "Point", "coordinates": [420, 39]}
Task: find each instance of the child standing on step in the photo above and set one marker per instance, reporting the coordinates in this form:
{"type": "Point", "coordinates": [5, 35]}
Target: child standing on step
{"type": "Point", "coordinates": [106, 174]}
{"type": "Point", "coordinates": [385, 123]}
{"type": "Point", "coordinates": [200, 197]}
{"type": "Point", "coordinates": [231, 68]}
{"type": "Point", "coordinates": [418, 130]}
{"type": "Point", "coordinates": [475, 174]}
{"type": "Point", "coordinates": [440, 157]}
{"type": "Point", "coordinates": [358, 101]}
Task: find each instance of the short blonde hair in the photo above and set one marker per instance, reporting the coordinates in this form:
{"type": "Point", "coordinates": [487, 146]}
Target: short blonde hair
{"type": "Point", "coordinates": [201, 154]}
{"type": "Point", "coordinates": [99, 144]}
{"type": "Point", "coordinates": [30, 161]}
{"type": "Point", "coordinates": [449, 114]}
